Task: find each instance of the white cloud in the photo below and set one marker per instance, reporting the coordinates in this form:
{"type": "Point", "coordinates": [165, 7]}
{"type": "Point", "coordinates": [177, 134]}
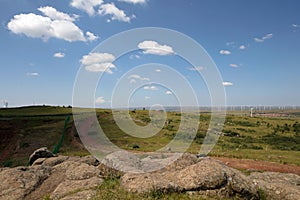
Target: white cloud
{"type": "Point", "coordinates": [296, 25]}
{"type": "Point", "coordinates": [32, 74]}
{"type": "Point", "coordinates": [157, 70]}
{"type": "Point", "coordinates": [100, 67]}
{"type": "Point", "coordinates": [98, 62]}
{"type": "Point", "coordinates": [152, 87]}
{"type": "Point", "coordinates": [93, 58]}
{"type": "Point", "coordinates": [152, 47]}
{"type": "Point", "coordinates": [234, 65]}
{"type": "Point", "coordinates": [242, 47]}
{"type": "Point", "coordinates": [138, 77]}
{"type": "Point", "coordinates": [116, 13]}
{"type": "Point", "coordinates": [53, 14]}
{"type": "Point", "coordinates": [86, 5]}
{"type": "Point", "coordinates": [146, 97]}
{"type": "Point", "coordinates": [225, 52]}
{"type": "Point", "coordinates": [90, 36]}
{"type": "Point", "coordinates": [266, 37]}
{"type": "Point", "coordinates": [100, 100]}
{"type": "Point", "coordinates": [59, 55]}
{"type": "Point", "coordinates": [54, 25]}
{"type": "Point", "coordinates": [169, 92]}
{"type": "Point", "coordinates": [196, 68]}
{"type": "Point", "coordinates": [227, 84]}
{"type": "Point", "coordinates": [134, 1]}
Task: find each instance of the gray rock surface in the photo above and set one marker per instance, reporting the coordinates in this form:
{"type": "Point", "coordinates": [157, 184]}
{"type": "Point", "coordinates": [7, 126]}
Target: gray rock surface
{"type": "Point", "coordinates": [17, 183]}
{"type": "Point", "coordinates": [68, 178]}
{"type": "Point", "coordinates": [207, 174]}
{"type": "Point", "coordinates": [278, 185]}
{"type": "Point", "coordinates": [59, 177]}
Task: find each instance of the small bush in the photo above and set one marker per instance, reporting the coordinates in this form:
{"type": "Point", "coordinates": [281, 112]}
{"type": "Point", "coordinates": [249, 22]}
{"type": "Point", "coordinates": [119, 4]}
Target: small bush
{"type": "Point", "coordinates": [135, 146]}
{"type": "Point", "coordinates": [7, 163]}
{"type": "Point", "coordinates": [230, 133]}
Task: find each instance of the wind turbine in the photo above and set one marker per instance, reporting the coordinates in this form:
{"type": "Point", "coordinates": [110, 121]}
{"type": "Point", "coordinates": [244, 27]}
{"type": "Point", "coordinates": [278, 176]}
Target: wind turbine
{"type": "Point", "coordinates": [5, 103]}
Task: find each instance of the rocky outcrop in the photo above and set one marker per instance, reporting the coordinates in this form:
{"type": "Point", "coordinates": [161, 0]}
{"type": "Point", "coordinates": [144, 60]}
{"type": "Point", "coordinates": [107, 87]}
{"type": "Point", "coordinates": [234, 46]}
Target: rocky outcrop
{"type": "Point", "coordinates": [277, 185]}
{"type": "Point", "coordinates": [59, 177]}
{"type": "Point", "coordinates": [40, 153]}
{"type": "Point", "coordinates": [68, 178]}
{"type": "Point", "coordinates": [207, 174]}
{"type": "Point", "coordinates": [17, 183]}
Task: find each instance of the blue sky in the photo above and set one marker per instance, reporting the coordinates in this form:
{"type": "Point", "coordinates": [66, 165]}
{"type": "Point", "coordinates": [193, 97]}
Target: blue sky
{"type": "Point", "coordinates": [255, 45]}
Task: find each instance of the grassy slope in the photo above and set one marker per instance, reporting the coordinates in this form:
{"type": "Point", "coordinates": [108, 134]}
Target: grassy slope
{"type": "Point", "coordinates": [29, 128]}
{"type": "Point", "coordinates": [23, 130]}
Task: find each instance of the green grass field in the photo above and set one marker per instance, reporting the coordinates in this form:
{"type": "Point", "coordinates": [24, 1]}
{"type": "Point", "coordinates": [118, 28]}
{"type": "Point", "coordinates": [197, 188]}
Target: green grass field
{"type": "Point", "coordinates": [263, 138]}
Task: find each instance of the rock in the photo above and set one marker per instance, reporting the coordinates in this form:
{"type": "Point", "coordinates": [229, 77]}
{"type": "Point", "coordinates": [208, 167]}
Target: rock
{"type": "Point", "coordinates": [81, 172]}
{"type": "Point", "coordinates": [147, 162]}
{"type": "Point", "coordinates": [90, 160]}
{"type": "Point", "coordinates": [205, 175]}
{"type": "Point", "coordinates": [38, 161]}
{"type": "Point", "coordinates": [40, 153]}
{"type": "Point", "coordinates": [278, 185]}
{"type": "Point", "coordinates": [67, 178]}
{"type": "Point", "coordinates": [16, 183]}
{"type": "Point", "coordinates": [52, 161]}
{"type": "Point", "coordinates": [75, 186]}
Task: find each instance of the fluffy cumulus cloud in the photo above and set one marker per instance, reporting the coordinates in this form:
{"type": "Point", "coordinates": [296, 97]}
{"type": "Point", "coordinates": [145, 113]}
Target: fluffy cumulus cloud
{"type": "Point", "coordinates": [168, 92]}
{"type": "Point", "coordinates": [266, 37]}
{"type": "Point", "coordinates": [98, 62]}
{"type": "Point", "coordinates": [153, 47]}
{"type": "Point", "coordinates": [87, 6]}
{"type": "Point", "coordinates": [100, 100]}
{"type": "Point", "coordinates": [90, 36]}
{"type": "Point", "coordinates": [224, 52]}
{"type": "Point", "coordinates": [134, 1]}
{"type": "Point", "coordinates": [226, 84]}
{"type": "Point", "coordinates": [116, 13]}
{"type": "Point", "coordinates": [59, 55]}
{"type": "Point", "coordinates": [98, 7]}
{"type": "Point", "coordinates": [54, 24]}
{"type": "Point", "coordinates": [56, 15]}
{"type": "Point", "coordinates": [150, 87]}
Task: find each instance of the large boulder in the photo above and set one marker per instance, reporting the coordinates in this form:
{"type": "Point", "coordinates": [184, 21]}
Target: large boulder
{"type": "Point", "coordinates": [207, 174]}
{"type": "Point", "coordinates": [17, 183]}
{"type": "Point", "coordinates": [40, 153]}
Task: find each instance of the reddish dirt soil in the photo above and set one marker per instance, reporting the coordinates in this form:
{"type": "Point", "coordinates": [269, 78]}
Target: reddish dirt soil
{"type": "Point", "coordinates": [255, 165]}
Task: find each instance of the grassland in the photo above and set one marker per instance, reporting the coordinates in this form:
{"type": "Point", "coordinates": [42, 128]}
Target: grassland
{"type": "Point", "coordinates": [263, 138]}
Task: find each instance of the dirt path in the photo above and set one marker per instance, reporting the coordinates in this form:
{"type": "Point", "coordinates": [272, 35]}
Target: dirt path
{"type": "Point", "coordinates": [255, 165]}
